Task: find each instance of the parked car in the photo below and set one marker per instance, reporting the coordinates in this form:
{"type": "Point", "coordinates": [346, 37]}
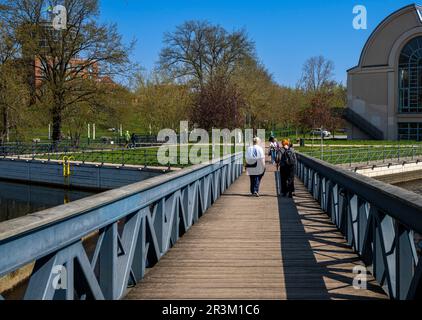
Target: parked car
{"type": "Point", "coordinates": [322, 133]}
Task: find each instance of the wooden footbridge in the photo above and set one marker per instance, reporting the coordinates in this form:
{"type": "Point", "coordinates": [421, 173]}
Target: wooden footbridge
{"type": "Point", "coordinates": [259, 248]}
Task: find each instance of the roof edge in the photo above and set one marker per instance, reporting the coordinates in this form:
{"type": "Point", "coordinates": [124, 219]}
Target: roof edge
{"type": "Point", "coordinates": [382, 23]}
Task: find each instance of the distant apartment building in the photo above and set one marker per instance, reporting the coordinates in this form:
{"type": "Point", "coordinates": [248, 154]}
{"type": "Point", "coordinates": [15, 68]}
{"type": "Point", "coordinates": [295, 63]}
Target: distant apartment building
{"type": "Point", "coordinates": [78, 66]}
{"type": "Point", "coordinates": [385, 88]}
{"type": "Point", "coordinates": [91, 72]}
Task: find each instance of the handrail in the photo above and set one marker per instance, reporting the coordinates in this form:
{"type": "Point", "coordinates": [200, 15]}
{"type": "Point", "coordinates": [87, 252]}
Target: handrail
{"type": "Point", "coordinates": [82, 206]}
{"type": "Point", "coordinates": [404, 205]}
{"type": "Point", "coordinates": [136, 225]}
{"type": "Point", "coordinates": [379, 221]}
{"type": "Point", "coordinates": [366, 155]}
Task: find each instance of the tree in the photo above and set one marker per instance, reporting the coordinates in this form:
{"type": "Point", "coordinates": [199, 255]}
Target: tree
{"type": "Point", "coordinates": [69, 63]}
{"type": "Point", "coordinates": [205, 57]}
{"type": "Point", "coordinates": [318, 113]}
{"type": "Point", "coordinates": [13, 92]}
{"type": "Point", "coordinates": [317, 73]}
{"type": "Point", "coordinates": [197, 51]}
{"type": "Point", "coordinates": [14, 97]}
{"type": "Point", "coordinates": [322, 111]}
{"type": "Point", "coordinates": [257, 89]}
{"type": "Point", "coordinates": [161, 104]}
{"type": "Point", "coordinates": [218, 105]}
{"type": "Point", "coordinates": [322, 95]}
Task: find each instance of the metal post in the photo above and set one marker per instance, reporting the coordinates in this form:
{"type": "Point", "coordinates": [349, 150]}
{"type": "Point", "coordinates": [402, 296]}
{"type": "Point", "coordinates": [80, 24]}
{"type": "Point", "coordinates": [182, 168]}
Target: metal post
{"type": "Point", "coordinates": [383, 154]}
{"type": "Point", "coordinates": [322, 145]}
{"type": "Point", "coordinates": [145, 158]}
{"type": "Point", "coordinates": [399, 153]}
{"type": "Point", "coordinates": [368, 156]}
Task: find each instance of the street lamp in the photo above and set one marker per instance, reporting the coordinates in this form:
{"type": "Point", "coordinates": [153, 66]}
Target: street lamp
{"type": "Point", "coordinates": [322, 143]}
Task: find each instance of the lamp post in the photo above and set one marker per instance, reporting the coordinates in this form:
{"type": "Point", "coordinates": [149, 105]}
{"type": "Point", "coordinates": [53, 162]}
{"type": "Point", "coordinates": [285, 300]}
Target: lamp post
{"type": "Point", "coordinates": [322, 144]}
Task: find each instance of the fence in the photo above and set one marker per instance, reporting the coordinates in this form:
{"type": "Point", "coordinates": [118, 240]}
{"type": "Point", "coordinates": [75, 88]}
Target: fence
{"type": "Point", "coordinates": [99, 246]}
{"type": "Point", "coordinates": [117, 155]}
{"type": "Point", "coordinates": [380, 221]}
{"type": "Point", "coordinates": [144, 156]}
{"type": "Point", "coordinates": [369, 154]}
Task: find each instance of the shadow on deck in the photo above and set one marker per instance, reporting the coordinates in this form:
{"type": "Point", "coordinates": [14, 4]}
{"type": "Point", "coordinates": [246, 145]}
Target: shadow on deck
{"type": "Point", "coordinates": [317, 261]}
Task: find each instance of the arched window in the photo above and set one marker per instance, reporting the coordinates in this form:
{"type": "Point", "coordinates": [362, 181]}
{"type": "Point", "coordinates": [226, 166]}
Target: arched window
{"type": "Point", "coordinates": [410, 77]}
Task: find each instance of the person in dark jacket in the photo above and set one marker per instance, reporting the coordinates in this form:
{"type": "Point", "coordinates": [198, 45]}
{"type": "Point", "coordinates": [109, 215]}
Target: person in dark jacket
{"type": "Point", "coordinates": [287, 170]}
{"type": "Point", "coordinates": [133, 140]}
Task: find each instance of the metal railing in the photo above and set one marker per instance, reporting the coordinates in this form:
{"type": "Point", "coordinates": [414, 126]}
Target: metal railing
{"type": "Point", "coordinates": [127, 229]}
{"type": "Point", "coordinates": [380, 221]}
{"type": "Point", "coordinates": [366, 155]}
{"type": "Point", "coordinates": [141, 156]}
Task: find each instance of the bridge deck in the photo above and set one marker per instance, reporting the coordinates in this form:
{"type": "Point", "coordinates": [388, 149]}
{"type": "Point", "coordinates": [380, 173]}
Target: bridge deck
{"type": "Point", "coordinates": [240, 250]}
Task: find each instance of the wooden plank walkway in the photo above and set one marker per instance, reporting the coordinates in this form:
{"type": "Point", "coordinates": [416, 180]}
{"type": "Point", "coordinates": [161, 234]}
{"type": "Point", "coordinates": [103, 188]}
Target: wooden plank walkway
{"type": "Point", "coordinates": [240, 250]}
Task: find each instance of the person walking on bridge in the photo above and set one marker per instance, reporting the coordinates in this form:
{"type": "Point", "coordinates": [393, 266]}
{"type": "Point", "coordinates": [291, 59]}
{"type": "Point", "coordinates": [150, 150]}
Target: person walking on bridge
{"type": "Point", "coordinates": [255, 165]}
{"type": "Point", "coordinates": [274, 148]}
{"type": "Point", "coordinates": [287, 169]}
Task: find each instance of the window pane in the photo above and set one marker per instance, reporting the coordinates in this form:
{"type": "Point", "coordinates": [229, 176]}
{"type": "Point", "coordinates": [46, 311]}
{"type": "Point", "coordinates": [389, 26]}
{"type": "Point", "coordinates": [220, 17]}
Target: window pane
{"type": "Point", "coordinates": [410, 77]}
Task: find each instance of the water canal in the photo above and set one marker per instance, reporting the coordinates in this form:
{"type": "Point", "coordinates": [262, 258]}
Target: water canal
{"type": "Point", "coordinates": [414, 186]}
{"type": "Point", "coordinates": [20, 199]}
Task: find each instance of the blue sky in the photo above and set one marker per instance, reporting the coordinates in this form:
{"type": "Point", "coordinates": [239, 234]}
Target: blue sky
{"type": "Point", "coordinates": [286, 32]}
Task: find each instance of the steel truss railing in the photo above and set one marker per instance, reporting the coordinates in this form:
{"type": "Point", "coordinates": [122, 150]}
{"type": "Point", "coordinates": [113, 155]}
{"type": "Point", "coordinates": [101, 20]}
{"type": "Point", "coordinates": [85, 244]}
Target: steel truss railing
{"type": "Point", "coordinates": [378, 220]}
{"type": "Point", "coordinates": [128, 229]}
{"type": "Point", "coordinates": [367, 155]}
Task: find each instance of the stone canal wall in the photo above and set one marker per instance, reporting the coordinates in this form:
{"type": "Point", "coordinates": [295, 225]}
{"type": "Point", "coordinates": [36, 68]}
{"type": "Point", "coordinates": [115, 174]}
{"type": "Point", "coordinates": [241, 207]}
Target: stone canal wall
{"type": "Point", "coordinates": [393, 173]}
{"type": "Point", "coordinates": [83, 176]}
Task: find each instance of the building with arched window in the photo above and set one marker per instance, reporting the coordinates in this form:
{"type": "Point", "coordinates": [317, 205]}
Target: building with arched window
{"type": "Point", "coordinates": [385, 89]}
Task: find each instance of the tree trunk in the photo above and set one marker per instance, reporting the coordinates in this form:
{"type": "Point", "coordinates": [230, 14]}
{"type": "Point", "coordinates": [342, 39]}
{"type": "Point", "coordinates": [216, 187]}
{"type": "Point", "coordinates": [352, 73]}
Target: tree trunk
{"type": "Point", "coordinates": [57, 125]}
{"type": "Point", "coordinates": [57, 116]}
{"type": "Point", "coordinates": [5, 134]}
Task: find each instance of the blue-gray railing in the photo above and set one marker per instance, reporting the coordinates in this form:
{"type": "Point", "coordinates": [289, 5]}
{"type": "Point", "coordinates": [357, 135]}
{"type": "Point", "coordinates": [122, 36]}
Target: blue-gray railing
{"type": "Point", "coordinates": [355, 156]}
{"type": "Point", "coordinates": [96, 247]}
{"type": "Point", "coordinates": [379, 221]}
{"type": "Point", "coordinates": [142, 156]}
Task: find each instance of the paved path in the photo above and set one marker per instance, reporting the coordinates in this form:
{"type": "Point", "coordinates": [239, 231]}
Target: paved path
{"type": "Point", "coordinates": [240, 250]}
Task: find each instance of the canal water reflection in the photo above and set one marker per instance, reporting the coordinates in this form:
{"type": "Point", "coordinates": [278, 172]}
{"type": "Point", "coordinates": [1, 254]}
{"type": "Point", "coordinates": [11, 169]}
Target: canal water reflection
{"type": "Point", "coordinates": [17, 199]}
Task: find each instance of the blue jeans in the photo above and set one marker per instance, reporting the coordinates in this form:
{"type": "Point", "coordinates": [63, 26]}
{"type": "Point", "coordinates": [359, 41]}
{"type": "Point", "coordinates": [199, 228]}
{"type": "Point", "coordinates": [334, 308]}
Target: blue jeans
{"type": "Point", "coordinates": [255, 183]}
{"type": "Point", "coordinates": [273, 156]}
